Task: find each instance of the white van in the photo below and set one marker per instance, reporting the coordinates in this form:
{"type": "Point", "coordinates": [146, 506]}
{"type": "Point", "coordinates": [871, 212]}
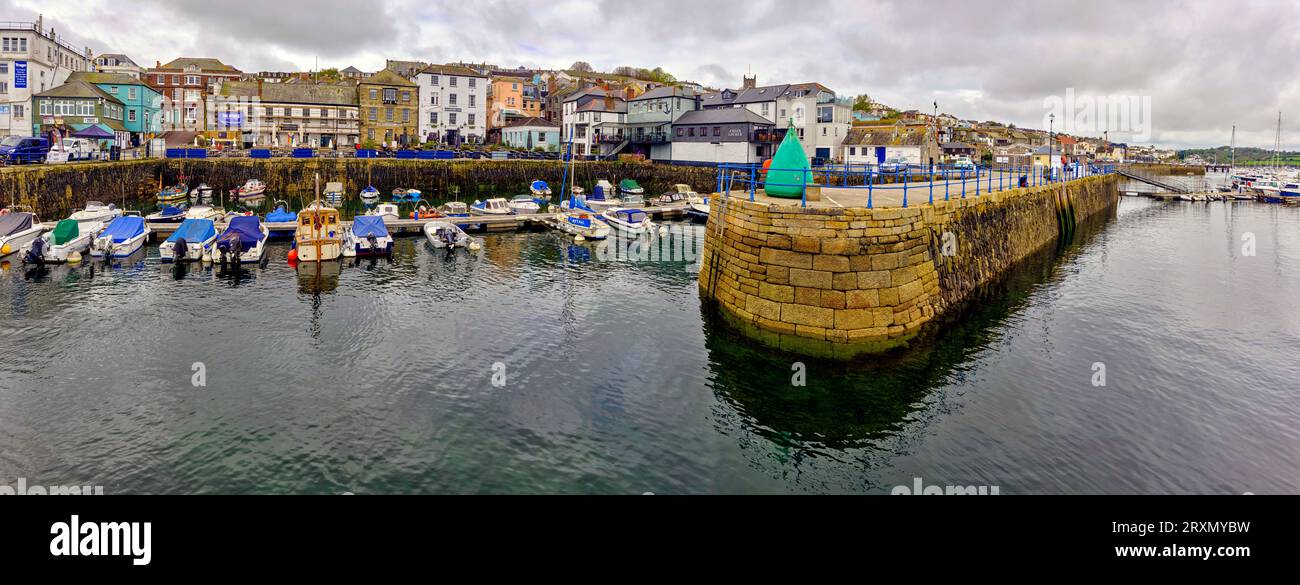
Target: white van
{"type": "Point", "coordinates": [73, 149]}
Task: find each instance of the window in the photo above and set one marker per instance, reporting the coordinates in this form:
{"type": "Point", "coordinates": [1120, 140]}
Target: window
{"type": "Point", "coordinates": [176, 80]}
{"type": "Point", "coordinates": [471, 100]}
{"type": "Point", "coordinates": [112, 89]}
{"type": "Point", "coordinates": [433, 118]}
{"type": "Point", "coordinates": [130, 115]}
{"type": "Point", "coordinates": [853, 151]}
{"type": "Point", "coordinates": [370, 134]}
{"type": "Point", "coordinates": [823, 130]}
{"type": "Point", "coordinates": [406, 96]}
{"type": "Point", "coordinates": [433, 80]}
{"type": "Point", "coordinates": [766, 108]}
{"type": "Point", "coordinates": [406, 115]}
{"type": "Point", "coordinates": [388, 115]}
{"type": "Point", "coordinates": [453, 80]}
{"type": "Point", "coordinates": [191, 80]}
{"type": "Point", "coordinates": [374, 95]}
{"type": "Point", "coordinates": [470, 118]}
{"type": "Point", "coordinates": [717, 130]}
{"type": "Point", "coordinates": [681, 132]}
{"type": "Point", "coordinates": [514, 87]}
{"type": "Point", "coordinates": [451, 118]}
{"type": "Point", "coordinates": [390, 95]}
{"type": "Point", "coordinates": [471, 82]}
{"type": "Point", "coordinates": [132, 93]}
{"type": "Point", "coordinates": [374, 117]}
{"type": "Point", "coordinates": [4, 87]}
{"type": "Point", "coordinates": [18, 111]}
{"type": "Point", "coordinates": [451, 99]}
{"type": "Point", "coordinates": [160, 79]}
{"type": "Point", "coordinates": [690, 132]}
{"type": "Point", "coordinates": [433, 99]}
{"type": "Point", "coordinates": [18, 44]}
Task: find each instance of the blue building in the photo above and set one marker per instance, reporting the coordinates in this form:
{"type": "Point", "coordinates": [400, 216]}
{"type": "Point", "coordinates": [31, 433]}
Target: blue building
{"type": "Point", "coordinates": [532, 133]}
{"type": "Point", "coordinates": [142, 104]}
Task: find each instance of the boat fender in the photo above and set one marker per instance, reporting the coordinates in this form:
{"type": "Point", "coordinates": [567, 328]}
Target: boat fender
{"type": "Point", "coordinates": [74, 257]}
{"type": "Point", "coordinates": [293, 255]}
{"type": "Point", "coordinates": [475, 246]}
{"type": "Point", "coordinates": [579, 238]}
{"type": "Point", "coordinates": [5, 250]}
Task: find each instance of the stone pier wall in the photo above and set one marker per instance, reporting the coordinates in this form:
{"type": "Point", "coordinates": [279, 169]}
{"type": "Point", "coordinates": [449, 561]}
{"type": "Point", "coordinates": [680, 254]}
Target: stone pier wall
{"type": "Point", "coordinates": [841, 282]}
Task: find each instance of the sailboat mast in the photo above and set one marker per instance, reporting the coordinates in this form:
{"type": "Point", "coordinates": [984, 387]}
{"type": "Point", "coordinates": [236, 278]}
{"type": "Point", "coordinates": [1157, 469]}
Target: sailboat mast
{"type": "Point", "coordinates": [1232, 148]}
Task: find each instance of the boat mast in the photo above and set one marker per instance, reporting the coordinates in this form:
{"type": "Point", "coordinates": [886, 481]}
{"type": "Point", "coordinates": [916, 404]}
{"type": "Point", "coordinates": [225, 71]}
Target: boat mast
{"type": "Point", "coordinates": [1232, 149]}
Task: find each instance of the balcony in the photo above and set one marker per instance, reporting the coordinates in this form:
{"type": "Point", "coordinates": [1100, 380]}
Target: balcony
{"type": "Point", "coordinates": [768, 135]}
{"type": "Point", "coordinates": [650, 137]}
{"type": "Point", "coordinates": [611, 138]}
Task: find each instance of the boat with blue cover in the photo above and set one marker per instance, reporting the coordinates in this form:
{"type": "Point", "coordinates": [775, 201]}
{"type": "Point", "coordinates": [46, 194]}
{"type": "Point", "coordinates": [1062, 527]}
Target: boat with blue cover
{"type": "Point", "coordinates": [404, 195]}
{"type": "Point", "coordinates": [192, 240]}
{"type": "Point", "coordinates": [123, 237]}
{"type": "Point", "coordinates": [494, 206]}
{"type": "Point", "coordinates": [629, 221]}
{"type": "Point", "coordinates": [367, 237]}
{"type": "Point", "coordinates": [243, 241]}
{"type": "Point", "coordinates": [282, 215]}
{"type": "Point", "coordinates": [168, 214]}
{"type": "Point", "coordinates": [370, 194]}
{"type": "Point", "coordinates": [539, 188]}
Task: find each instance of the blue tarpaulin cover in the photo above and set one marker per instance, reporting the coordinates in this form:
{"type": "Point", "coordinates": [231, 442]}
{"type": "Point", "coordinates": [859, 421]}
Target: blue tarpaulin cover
{"type": "Point", "coordinates": [369, 225]}
{"type": "Point", "coordinates": [281, 215]}
{"type": "Point", "coordinates": [124, 228]}
{"type": "Point", "coordinates": [245, 227]}
{"type": "Point", "coordinates": [194, 231]}
{"type": "Point", "coordinates": [630, 215]}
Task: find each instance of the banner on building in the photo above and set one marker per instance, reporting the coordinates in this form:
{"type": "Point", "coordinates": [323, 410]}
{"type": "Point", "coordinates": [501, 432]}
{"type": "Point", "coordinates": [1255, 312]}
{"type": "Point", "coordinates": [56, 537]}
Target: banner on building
{"type": "Point", "coordinates": [20, 74]}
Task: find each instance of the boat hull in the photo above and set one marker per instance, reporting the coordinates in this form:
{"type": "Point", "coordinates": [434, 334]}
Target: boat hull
{"type": "Point", "coordinates": [15, 242]}
{"type": "Point", "coordinates": [330, 249]}
{"type": "Point", "coordinates": [431, 233]}
{"type": "Point", "coordinates": [127, 247]}
{"type": "Point", "coordinates": [195, 250]}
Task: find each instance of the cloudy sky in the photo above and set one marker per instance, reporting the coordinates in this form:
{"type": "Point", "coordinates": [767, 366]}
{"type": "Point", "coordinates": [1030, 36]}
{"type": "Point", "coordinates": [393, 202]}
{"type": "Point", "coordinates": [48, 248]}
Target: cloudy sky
{"type": "Point", "coordinates": [1204, 65]}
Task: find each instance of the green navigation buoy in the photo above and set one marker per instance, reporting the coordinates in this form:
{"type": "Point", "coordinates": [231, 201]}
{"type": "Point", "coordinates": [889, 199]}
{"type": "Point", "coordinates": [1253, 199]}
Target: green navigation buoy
{"type": "Point", "coordinates": [787, 175]}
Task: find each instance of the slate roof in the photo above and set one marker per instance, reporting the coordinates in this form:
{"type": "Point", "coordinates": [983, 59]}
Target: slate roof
{"type": "Point", "coordinates": [764, 93]}
{"type": "Point", "coordinates": [451, 70]}
{"type": "Point", "coordinates": [293, 93]}
{"type": "Point", "coordinates": [666, 91]}
{"type": "Point", "coordinates": [533, 122]}
{"type": "Point", "coordinates": [109, 78]}
{"type": "Point", "coordinates": [203, 63]}
{"type": "Point", "coordinates": [79, 89]}
{"type": "Point", "coordinates": [721, 116]}
{"type": "Point", "coordinates": [886, 136]}
{"type": "Point", "coordinates": [388, 77]}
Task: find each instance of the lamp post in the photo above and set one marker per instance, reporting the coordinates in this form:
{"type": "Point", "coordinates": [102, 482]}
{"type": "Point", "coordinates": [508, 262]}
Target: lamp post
{"type": "Point", "coordinates": [1051, 123]}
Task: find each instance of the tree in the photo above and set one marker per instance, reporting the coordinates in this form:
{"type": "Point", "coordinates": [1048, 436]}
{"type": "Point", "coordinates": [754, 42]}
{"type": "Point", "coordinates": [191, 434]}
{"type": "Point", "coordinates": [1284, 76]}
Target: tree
{"type": "Point", "coordinates": [581, 66]}
{"type": "Point", "coordinates": [862, 103]}
{"type": "Point", "coordinates": [626, 71]}
{"type": "Point", "coordinates": [330, 75]}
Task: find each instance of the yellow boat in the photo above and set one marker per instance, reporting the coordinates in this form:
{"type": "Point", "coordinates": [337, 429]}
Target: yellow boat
{"type": "Point", "coordinates": [319, 236]}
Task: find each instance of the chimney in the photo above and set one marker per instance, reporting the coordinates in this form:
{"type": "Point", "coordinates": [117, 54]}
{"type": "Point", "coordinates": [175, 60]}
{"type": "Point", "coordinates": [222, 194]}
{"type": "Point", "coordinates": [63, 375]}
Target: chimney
{"type": "Point", "coordinates": [749, 82]}
{"type": "Point", "coordinates": [609, 103]}
{"type": "Point", "coordinates": [40, 22]}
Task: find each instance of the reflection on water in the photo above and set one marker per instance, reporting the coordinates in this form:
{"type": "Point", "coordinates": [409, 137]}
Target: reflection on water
{"type": "Point", "coordinates": [376, 375]}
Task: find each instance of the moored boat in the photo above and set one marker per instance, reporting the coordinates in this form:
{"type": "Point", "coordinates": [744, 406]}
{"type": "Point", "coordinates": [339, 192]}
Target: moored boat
{"type": "Point", "coordinates": [630, 187]}
{"type": "Point", "coordinates": [403, 195]}
{"type": "Point", "coordinates": [698, 208]}
{"type": "Point", "coordinates": [334, 192]}
{"type": "Point", "coordinates": [201, 194]}
{"type": "Point", "coordinates": [17, 229]}
{"type": "Point", "coordinates": [192, 240]}
{"type": "Point", "coordinates": [282, 215]}
{"type": "Point", "coordinates": [123, 236]}
{"type": "Point", "coordinates": [168, 214]}
{"type": "Point", "coordinates": [369, 195]}
{"type": "Point", "coordinates": [204, 212]}
{"type": "Point", "coordinates": [628, 221]}
{"type": "Point", "coordinates": [454, 209]}
{"type": "Point", "coordinates": [320, 235]}
{"type": "Point", "coordinates": [243, 241]}
{"type": "Point", "coordinates": [494, 206]}
{"type": "Point", "coordinates": [539, 188]}
{"type": "Point", "coordinates": [602, 197]}
{"type": "Point", "coordinates": [251, 189]}
{"type": "Point", "coordinates": [445, 234]}
{"type": "Point", "coordinates": [386, 212]}
{"type": "Point", "coordinates": [526, 204]}
{"type": "Point", "coordinates": [96, 212]}
{"type": "Point", "coordinates": [174, 194]}
{"type": "Point", "coordinates": [367, 237]}
{"type": "Point", "coordinates": [69, 239]}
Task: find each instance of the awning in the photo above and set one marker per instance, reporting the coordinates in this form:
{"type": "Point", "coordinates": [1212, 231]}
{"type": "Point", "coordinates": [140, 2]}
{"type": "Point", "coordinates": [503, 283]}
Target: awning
{"type": "Point", "coordinates": [93, 131]}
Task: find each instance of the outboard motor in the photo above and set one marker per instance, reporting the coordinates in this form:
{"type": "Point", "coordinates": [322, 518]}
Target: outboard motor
{"type": "Point", "coordinates": [36, 255]}
{"type": "Point", "coordinates": [374, 243]}
{"type": "Point", "coordinates": [180, 249]}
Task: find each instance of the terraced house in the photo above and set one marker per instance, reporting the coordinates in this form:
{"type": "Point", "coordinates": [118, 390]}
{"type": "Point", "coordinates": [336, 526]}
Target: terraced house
{"type": "Point", "coordinates": [143, 103]}
{"type": "Point", "coordinates": [389, 109]}
{"type": "Point", "coordinates": [186, 84]}
{"type": "Point", "coordinates": [453, 104]}
{"type": "Point", "coordinates": [316, 115]}
{"type": "Point", "coordinates": [78, 108]}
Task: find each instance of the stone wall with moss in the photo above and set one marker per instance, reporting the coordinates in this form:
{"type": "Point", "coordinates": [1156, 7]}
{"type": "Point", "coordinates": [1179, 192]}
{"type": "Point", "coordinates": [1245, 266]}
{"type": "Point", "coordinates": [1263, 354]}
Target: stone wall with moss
{"type": "Point", "coordinates": [841, 282]}
{"type": "Point", "coordinates": [55, 190]}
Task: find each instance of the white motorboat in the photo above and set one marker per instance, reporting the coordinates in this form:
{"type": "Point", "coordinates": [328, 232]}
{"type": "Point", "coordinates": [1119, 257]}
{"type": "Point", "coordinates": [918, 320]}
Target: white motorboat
{"type": "Point", "coordinates": [168, 214]}
{"type": "Point", "coordinates": [445, 234]}
{"type": "Point", "coordinates": [123, 236]}
{"type": "Point", "coordinates": [334, 192]}
{"type": "Point", "coordinates": [494, 206]}
{"type": "Point", "coordinates": [17, 229]}
{"type": "Point", "coordinates": [579, 222]}
{"type": "Point", "coordinates": [367, 237]}
{"type": "Point", "coordinates": [603, 197]}
{"type": "Point", "coordinates": [201, 194]}
{"type": "Point", "coordinates": [192, 240]}
{"type": "Point", "coordinates": [540, 189]}
{"type": "Point", "coordinates": [204, 212]}
{"type": "Point", "coordinates": [369, 195]}
{"type": "Point", "coordinates": [697, 207]}
{"type": "Point", "coordinates": [628, 221]}
{"type": "Point", "coordinates": [387, 211]}
{"type": "Point", "coordinates": [243, 241]}
{"type": "Point", "coordinates": [96, 212]}
{"type": "Point", "coordinates": [525, 204]}
{"type": "Point", "coordinates": [251, 189]}
{"type": "Point", "coordinates": [69, 239]}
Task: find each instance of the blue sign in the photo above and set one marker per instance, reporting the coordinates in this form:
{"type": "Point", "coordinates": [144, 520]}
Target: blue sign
{"type": "Point", "coordinates": [230, 119]}
{"type": "Point", "coordinates": [4, 109]}
{"type": "Point", "coordinates": [20, 74]}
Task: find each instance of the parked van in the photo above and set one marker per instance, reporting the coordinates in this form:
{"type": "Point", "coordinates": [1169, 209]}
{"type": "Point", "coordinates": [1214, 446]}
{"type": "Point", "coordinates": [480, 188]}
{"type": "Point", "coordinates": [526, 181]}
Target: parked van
{"type": "Point", "coordinates": [16, 150]}
{"type": "Point", "coordinates": [73, 149]}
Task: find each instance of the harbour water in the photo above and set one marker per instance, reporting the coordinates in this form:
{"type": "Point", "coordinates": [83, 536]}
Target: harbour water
{"type": "Point", "coordinates": [611, 378]}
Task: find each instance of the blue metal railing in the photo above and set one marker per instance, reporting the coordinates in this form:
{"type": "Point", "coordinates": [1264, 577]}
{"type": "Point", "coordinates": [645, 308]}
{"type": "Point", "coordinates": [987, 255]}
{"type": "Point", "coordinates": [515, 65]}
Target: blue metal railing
{"type": "Point", "coordinates": [983, 179]}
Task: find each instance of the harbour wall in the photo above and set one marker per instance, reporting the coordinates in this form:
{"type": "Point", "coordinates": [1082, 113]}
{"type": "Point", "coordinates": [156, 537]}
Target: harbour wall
{"type": "Point", "coordinates": [56, 190]}
{"type": "Point", "coordinates": [842, 282]}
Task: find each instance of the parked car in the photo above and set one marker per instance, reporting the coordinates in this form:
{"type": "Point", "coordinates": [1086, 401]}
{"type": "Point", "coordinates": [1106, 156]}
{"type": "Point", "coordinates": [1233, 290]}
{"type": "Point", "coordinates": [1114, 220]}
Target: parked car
{"type": "Point", "coordinates": [73, 149]}
{"type": "Point", "coordinates": [894, 165]}
{"type": "Point", "coordinates": [16, 150]}
{"type": "Point", "coordinates": [963, 162]}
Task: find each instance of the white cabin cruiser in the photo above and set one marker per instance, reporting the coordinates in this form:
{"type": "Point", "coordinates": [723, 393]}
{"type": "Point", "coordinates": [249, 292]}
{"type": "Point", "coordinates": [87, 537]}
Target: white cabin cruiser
{"type": "Point", "coordinates": [96, 212]}
{"type": "Point", "coordinates": [17, 229]}
{"type": "Point", "coordinates": [494, 206]}
{"type": "Point", "coordinates": [628, 221]}
{"type": "Point", "coordinates": [526, 204]}
{"type": "Point", "coordinates": [123, 236]}
{"type": "Point", "coordinates": [387, 211]}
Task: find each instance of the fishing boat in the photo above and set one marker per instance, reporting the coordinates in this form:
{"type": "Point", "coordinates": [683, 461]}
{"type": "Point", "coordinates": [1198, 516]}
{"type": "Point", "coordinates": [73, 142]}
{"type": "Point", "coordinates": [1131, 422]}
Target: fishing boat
{"type": "Point", "coordinates": [387, 212]}
{"type": "Point", "coordinates": [454, 209]}
{"type": "Point", "coordinates": [494, 206]}
{"type": "Point", "coordinates": [201, 194]}
{"type": "Point", "coordinates": [204, 212]}
{"type": "Point", "coordinates": [174, 193]}
{"type": "Point", "coordinates": [334, 192]}
{"type": "Point", "coordinates": [320, 235]}
{"type": "Point", "coordinates": [367, 237]}
{"type": "Point", "coordinates": [192, 240]}
{"type": "Point", "coordinates": [17, 229]}
{"type": "Point", "coordinates": [444, 234]}
{"type": "Point", "coordinates": [526, 204]}
{"type": "Point", "coordinates": [251, 189]}
{"type": "Point", "coordinates": [630, 187]}
{"type": "Point", "coordinates": [369, 195]}
{"type": "Point", "coordinates": [96, 212]}
{"type": "Point", "coordinates": [406, 195]}
{"type": "Point", "coordinates": [69, 239]}
{"type": "Point", "coordinates": [123, 236]}
{"type": "Point", "coordinates": [628, 221]}
{"type": "Point", "coordinates": [1289, 193]}
{"type": "Point", "coordinates": [168, 214]}
{"type": "Point", "coordinates": [282, 215]}
{"type": "Point", "coordinates": [243, 241]}
{"type": "Point", "coordinates": [539, 188]}
{"type": "Point", "coordinates": [698, 208]}
{"type": "Point", "coordinates": [1267, 190]}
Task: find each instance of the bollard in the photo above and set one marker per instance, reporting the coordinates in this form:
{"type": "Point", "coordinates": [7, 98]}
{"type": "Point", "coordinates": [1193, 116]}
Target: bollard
{"type": "Point", "coordinates": [977, 181]}
{"type": "Point", "coordinates": [804, 200]}
{"type": "Point", "coordinates": [945, 185]}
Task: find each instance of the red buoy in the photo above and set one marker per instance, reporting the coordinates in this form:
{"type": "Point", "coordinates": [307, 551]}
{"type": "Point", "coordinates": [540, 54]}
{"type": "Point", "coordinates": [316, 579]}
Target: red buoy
{"type": "Point", "coordinates": [293, 255]}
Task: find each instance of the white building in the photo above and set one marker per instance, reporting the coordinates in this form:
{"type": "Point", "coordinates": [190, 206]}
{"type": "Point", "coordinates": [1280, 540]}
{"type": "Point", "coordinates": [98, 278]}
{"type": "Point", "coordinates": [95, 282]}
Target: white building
{"type": "Point", "coordinates": [32, 60]}
{"type": "Point", "coordinates": [821, 120]}
{"type": "Point", "coordinates": [118, 63]}
{"type": "Point", "coordinates": [596, 121]}
{"type": "Point", "coordinates": [453, 104]}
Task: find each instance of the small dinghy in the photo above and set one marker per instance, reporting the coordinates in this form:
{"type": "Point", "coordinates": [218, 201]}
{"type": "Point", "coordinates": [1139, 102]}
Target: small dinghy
{"type": "Point", "coordinates": [698, 208]}
{"type": "Point", "coordinates": [17, 229]}
{"type": "Point", "coordinates": [204, 212]}
{"type": "Point", "coordinates": [386, 211]}
{"type": "Point", "coordinates": [423, 211]}
{"type": "Point", "coordinates": [494, 206]}
{"type": "Point", "coordinates": [68, 237]}
{"type": "Point", "coordinates": [251, 189]}
{"type": "Point", "coordinates": [369, 195]}
{"type": "Point", "coordinates": [628, 221]}
{"type": "Point", "coordinates": [243, 241]}
{"type": "Point", "coordinates": [123, 236]}
{"type": "Point", "coordinates": [540, 189]}
{"type": "Point", "coordinates": [367, 237]}
{"type": "Point", "coordinates": [526, 204]}
{"type": "Point", "coordinates": [334, 192]}
{"type": "Point", "coordinates": [282, 215]}
{"type": "Point", "coordinates": [630, 187]}
{"type": "Point", "coordinates": [174, 194]}
{"type": "Point", "coordinates": [201, 194]}
{"type": "Point", "coordinates": [406, 195]}
{"type": "Point", "coordinates": [168, 214]}
{"type": "Point", "coordinates": [192, 240]}
{"type": "Point", "coordinates": [96, 212]}
{"type": "Point", "coordinates": [444, 234]}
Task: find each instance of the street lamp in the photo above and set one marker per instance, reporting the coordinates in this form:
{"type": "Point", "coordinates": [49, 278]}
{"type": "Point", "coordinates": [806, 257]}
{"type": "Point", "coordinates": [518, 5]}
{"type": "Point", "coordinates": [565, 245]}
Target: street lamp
{"type": "Point", "coordinates": [1051, 123]}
